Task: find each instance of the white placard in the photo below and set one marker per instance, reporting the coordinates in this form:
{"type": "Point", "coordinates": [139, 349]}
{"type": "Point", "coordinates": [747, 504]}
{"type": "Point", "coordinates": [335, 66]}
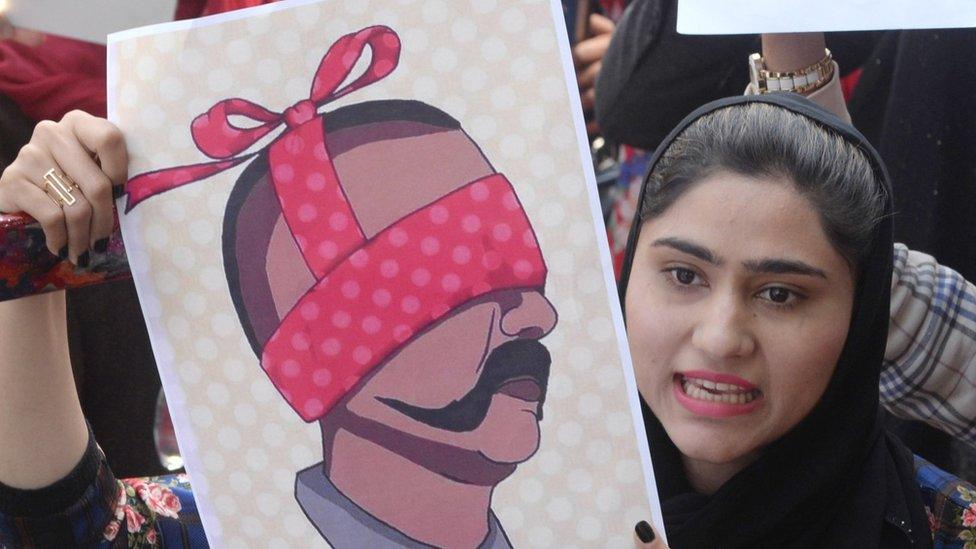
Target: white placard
{"type": "Point", "coordinates": [90, 20]}
{"type": "Point", "coordinates": [258, 469]}
{"type": "Point", "coordinates": [768, 16]}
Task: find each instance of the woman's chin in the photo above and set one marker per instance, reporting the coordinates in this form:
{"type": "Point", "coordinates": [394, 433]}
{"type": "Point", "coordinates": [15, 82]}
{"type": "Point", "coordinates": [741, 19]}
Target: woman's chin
{"type": "Point", "coordinates": [711, 445]}
{"type": "Point", "coordinates": [712, 440]}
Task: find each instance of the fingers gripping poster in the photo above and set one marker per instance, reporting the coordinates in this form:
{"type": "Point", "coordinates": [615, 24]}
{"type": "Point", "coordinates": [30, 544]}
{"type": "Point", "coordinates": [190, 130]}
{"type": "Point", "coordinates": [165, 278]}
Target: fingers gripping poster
{"type": "Point", "coordinates": [369, 253]}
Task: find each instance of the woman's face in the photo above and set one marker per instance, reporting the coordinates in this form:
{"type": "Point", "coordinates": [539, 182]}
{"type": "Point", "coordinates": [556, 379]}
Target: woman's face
{"type": "Point", "coordinates": [737, 310]}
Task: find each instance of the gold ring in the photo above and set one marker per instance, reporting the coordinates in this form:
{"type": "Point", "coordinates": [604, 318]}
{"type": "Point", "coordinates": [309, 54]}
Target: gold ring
{"type": "Point", "coordinates": [58, 187]}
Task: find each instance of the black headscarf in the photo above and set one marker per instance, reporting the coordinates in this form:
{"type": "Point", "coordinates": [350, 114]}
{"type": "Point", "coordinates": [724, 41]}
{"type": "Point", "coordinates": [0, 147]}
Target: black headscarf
{"type": "Point", "coordinates": [836, 479]}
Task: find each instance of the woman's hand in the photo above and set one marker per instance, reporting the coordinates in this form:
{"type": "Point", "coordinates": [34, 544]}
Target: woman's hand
{"type": "Point", "coordinates": [588, 58]}
{"type": "Point", "coordinates": [791, 51]}
{"type": "Point", "coordinates": [646, 538]}
{"type": "Point", "coordinates": [90, 151]}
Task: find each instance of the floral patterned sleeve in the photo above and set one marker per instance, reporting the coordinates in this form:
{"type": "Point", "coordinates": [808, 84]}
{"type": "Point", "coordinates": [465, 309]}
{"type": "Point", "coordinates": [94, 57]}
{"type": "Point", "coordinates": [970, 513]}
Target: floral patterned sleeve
{"type": "Point", "coordinates": [91, 508]}
{"type": "Point", "coordinates": [950, 503]}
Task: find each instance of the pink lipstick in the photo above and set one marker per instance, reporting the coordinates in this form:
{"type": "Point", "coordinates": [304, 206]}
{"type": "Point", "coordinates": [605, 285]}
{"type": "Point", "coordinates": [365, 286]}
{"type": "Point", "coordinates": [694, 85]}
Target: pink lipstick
{"type": "Point", "coordinates": [716, 395]}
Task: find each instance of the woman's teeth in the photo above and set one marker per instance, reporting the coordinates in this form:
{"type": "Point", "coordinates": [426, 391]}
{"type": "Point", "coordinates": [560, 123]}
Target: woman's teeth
{"type": "Point", "coordinates": [725, 393]}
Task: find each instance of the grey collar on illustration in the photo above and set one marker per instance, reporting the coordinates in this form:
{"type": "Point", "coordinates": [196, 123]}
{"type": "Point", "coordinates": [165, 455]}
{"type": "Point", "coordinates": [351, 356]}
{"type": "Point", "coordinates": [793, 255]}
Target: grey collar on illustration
{"type": "Point", "coordinates": [344, 524]}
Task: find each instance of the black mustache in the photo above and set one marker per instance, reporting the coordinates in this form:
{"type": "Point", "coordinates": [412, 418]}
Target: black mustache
{"type": "Point", "coordinates": [511, 360]}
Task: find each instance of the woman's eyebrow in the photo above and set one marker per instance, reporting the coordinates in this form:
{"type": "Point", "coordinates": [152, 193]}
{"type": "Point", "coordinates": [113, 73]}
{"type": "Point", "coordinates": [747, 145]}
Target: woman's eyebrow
{"type": "Point", "coordinates": [690, 248]}
{"type": "Point", "coordinates": [783, 266]}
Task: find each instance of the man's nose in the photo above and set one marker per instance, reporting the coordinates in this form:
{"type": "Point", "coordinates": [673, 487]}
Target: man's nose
{"type": "Point", "coordinates": [532, 317]}
{"type": "Point", "coordinates": [724, 330]}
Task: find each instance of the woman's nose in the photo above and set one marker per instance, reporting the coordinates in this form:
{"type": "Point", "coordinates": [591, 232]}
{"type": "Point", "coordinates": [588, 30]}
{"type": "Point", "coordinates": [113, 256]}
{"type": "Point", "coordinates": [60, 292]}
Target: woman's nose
{"type": "Point", "coordinates": [533, 316]}
{"type": "Point", "coordinates": [724, 331]}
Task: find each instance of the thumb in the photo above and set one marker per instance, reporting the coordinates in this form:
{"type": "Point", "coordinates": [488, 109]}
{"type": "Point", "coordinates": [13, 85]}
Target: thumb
{"type": "Point", "coordinates": [645, 537]}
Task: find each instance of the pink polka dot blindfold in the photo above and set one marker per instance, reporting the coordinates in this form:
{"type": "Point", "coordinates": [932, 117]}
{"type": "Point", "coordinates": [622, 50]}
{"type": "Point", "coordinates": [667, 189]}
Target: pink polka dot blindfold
{"type": "Point", "coordinates": [371, 295]}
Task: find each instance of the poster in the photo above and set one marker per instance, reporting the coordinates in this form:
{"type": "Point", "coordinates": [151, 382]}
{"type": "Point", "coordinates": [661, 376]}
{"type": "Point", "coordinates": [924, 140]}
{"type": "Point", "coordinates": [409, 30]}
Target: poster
{"type": "Point", "coordinates": [759, 16]}
{"type": "Point", "coordinates": [367, 244]}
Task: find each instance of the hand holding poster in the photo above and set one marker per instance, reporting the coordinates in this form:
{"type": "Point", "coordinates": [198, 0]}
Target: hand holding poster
{"type": "Point", "coordinates": [386, 282]}
{"type": "Point", "coordinates": [772, 16]}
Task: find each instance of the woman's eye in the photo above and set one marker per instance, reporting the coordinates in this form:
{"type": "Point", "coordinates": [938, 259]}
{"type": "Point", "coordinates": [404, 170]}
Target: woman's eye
{"type": "Point", "coordinates": [684, 277]}
{"type": "Point", "coordinates": [780, 296]}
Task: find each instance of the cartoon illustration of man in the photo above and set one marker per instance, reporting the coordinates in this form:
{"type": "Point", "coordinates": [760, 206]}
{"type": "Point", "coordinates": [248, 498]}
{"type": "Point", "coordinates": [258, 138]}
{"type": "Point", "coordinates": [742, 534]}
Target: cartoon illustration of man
{"type": "Point", "coordinates": [392, 286]}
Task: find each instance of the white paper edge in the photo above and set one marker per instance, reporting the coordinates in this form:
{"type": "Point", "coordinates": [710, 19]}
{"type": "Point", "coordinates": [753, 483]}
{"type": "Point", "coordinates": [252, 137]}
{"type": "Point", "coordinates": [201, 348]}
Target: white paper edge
{"type": "Point", "coordinates": [703, 22]}
{"type": "Point", "coordinates": [181, 420]}
{"type": "Point", "coordinates": [174, 395]}
{"type": "Point", "coordinates": [606, 263]}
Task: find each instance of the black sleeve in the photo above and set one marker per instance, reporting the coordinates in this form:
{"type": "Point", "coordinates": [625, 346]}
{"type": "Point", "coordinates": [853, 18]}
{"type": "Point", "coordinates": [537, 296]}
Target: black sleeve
{"type": "Point", "coordinates": [72, 512]}
{"type": "Point", "coordinates": [57, 497]}
{"type": "Point", "coordinates": [652, 76]}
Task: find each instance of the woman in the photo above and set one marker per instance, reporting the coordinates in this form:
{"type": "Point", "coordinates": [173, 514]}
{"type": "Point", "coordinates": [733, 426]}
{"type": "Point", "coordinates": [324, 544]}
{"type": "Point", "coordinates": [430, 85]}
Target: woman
{"type": "Point", "coordinates": [756, 292]}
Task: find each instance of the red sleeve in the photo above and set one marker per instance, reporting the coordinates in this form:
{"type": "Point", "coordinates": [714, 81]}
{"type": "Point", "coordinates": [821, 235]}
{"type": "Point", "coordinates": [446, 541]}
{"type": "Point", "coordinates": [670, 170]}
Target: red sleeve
{"type": "Point", "coordinates": [50, 79]}
{"type": "Point", "coordinates": [188, 9]}
{"type": "Point", "coordinates": [196, 8]}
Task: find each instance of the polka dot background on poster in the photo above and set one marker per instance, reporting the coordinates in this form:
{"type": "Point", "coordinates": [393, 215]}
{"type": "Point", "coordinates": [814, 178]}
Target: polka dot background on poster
{"type": "Point", "coordinates": [487, 63]}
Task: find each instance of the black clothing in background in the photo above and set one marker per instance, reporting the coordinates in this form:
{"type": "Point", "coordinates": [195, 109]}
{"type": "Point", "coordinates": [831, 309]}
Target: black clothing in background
{"type": "Point", "coordinates": [115, 373]}
{"type": "Point", "coordinates": [836, 479]}
{"type": "Point", "coordinates": [652, 76]}
{"type": "Point", "coordinates": [15, 131]}
{"type": "Point", "coordinates": [916, 102]}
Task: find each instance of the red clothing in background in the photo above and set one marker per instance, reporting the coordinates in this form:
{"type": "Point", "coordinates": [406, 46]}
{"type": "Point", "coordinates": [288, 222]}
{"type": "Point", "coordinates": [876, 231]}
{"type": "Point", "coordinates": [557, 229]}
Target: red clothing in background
{"type": "Point", "coordinates": [57, 76]}
{"type": "Point", "coordinates": [60, 74]}
{"type": "Point", "coordinates": [187, 9]}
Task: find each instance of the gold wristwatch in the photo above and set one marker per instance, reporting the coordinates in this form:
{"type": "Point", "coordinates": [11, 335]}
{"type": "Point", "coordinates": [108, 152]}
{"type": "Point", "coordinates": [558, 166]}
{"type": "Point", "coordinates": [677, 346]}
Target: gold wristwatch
{"type": "Point", "coordinates": [804, 80]}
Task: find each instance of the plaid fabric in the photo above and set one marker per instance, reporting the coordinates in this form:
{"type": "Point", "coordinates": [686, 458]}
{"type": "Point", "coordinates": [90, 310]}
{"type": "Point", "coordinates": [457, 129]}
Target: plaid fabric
{"type": "Point", "coordinates": [930, 362]}
{"type": "Point", "coordinates": [108, 513]}
{"type": "Point", "coordinates": [950, 504]}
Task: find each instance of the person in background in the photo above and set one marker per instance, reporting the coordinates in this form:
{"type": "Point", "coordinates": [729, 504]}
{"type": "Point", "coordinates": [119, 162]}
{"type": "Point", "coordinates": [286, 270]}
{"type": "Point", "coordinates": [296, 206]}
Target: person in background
{"type": "Point", "coordinates": [711, 314]}
{"type": "Point", "coordinates": [901, 98]}
{"type": "Point", "coordinates": [588, 55]}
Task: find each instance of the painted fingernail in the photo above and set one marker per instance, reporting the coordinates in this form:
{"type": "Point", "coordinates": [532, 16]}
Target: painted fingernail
{"type": "Point", "coordinates": [100, 246]}
{"type": "Point", "coordinates": [63, 254]}
{"type": "Point", "coordinates": [644, 531]}
{"type": "Point", "coordinates": [84, 259]}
